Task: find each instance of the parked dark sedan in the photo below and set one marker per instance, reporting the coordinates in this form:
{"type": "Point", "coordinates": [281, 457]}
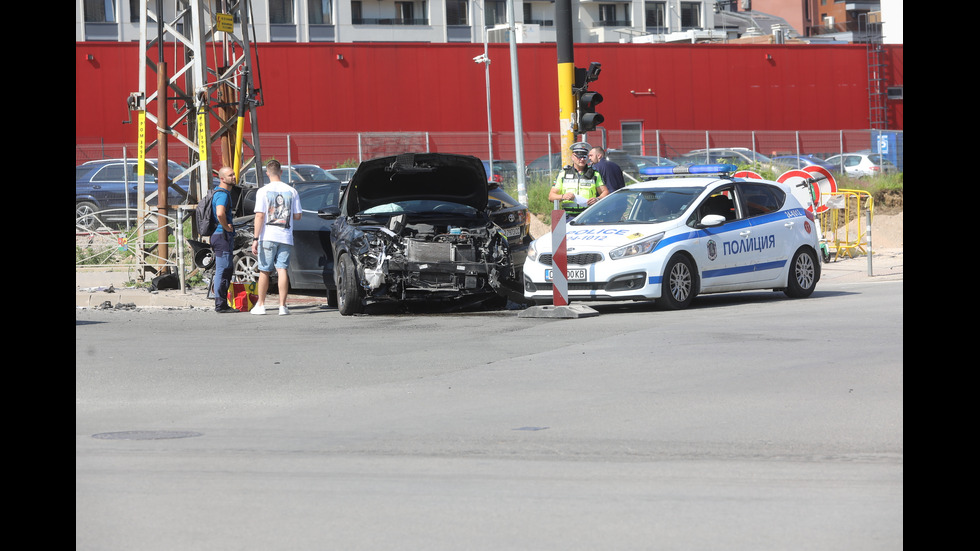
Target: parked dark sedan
{"type": "Point", "coordinates": [544, 166]}
{"type": "Point", "coordinates": [416, 227]}
{"type": "Point", "coordinates": [104, 189]}
{"type": "Point", "coordinates": [800, 161]}
{"type": "Point", "coordinates": [311, 262]}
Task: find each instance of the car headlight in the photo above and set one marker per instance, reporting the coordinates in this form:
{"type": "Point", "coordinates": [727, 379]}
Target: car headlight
{"type": "Point", "coordinates": [532, 251]}
{"type": "Point", "coordinates": [643, 246]}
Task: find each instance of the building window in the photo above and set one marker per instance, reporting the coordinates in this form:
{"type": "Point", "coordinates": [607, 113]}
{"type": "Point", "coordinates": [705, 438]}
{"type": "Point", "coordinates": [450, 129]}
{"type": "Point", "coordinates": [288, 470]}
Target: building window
{"type": "Point", "coordinates": [656, 14]}
{"type": "Point", "coordinates": [281, 12]}
{"type": "Point", "coordinates": [496, 12]}
{"type": "Point", "coordinates": [632, 137]}
{"type": "Point", "coordinates": [100, 11]}
{"type": "Point", "coordinates": [607, 12]}
{"type": "Point", "coordinates": [356, 14]}
{"type": "Point", "coordinates": [405, 12]}
{"type": "Point", "coordinates": [320, 12]}
{"type": "Point", "coordinates": [456, 12]}
{"type": "Point", "coordinates": [691, 15]}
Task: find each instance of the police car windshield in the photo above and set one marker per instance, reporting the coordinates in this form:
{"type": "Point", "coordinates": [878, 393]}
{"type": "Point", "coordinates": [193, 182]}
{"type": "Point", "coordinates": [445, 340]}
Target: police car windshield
{"type": "Point", "coordinates": [639, 206]}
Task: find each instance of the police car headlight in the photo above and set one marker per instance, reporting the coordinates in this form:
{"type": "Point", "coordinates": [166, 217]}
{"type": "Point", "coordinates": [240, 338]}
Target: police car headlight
{"type": "Point", "coordinates": [643, 246]}
{"type": "Point", "coordinates": [532, 251]}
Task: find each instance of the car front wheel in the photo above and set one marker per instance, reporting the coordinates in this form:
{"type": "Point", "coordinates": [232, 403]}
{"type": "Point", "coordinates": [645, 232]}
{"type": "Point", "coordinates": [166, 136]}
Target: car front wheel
{"type": "Point", "coordinates": [803, 274]}
{"type": "Point", "coordinates": [680, 284]}
{"type": "Point", "coordinates": [246, 269]}
{"type": "Point", "coordinates": [349, 298]}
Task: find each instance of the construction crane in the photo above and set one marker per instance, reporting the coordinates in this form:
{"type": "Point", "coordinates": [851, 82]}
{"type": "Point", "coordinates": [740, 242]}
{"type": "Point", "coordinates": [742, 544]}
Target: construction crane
{"type": "Point", "coordinates": [212, 85]}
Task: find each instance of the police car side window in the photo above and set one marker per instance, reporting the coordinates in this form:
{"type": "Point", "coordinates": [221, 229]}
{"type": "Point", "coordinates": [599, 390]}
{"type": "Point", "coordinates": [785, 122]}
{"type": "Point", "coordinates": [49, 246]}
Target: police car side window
{"type": "Point", "coordinates": [759, 199]}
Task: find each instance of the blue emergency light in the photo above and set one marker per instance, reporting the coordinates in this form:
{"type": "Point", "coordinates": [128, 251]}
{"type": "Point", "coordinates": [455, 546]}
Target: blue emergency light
{"type": "Point", "coordinates": [689, 169]}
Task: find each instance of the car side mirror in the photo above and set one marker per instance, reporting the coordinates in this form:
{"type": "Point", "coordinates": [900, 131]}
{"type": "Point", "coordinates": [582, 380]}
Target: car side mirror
{"type": "Point", "coordinates": [329, 213]}
{"type": "Point", "coordinates": [712, 220]}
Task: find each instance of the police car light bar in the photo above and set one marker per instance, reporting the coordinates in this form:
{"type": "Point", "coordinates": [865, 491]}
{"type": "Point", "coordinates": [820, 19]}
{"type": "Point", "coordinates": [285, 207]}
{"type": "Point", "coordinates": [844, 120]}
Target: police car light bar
{"type": "Point", "coordinates": [689, 169]}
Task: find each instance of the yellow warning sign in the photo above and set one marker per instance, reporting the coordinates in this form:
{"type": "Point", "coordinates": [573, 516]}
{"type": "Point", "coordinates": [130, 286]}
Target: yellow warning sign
{"type": "Point", "coordinates": [225, 23]}
{"type": "Point", "coordinates": [141, 144]}
{"type": "Point", "coordinates": [202, 134]}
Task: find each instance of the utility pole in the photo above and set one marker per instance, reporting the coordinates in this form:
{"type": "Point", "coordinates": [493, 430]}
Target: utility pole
{"type": "Point", "coordinates": [515, 85]}
{"type": "Point", "coordinates": [566, 78]}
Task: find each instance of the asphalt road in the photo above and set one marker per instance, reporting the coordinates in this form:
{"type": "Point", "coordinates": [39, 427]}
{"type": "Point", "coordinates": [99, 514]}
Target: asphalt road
{"type": "Point", "coordinates": [748, 422]}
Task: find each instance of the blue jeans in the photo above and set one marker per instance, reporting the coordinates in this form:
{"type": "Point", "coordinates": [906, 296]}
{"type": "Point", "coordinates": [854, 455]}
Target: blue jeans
{"type": "Point", "coordinates": [223, 245]}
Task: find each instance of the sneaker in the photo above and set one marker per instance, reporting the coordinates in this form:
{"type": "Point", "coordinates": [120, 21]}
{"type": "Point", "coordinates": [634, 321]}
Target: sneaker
{"type": "Point", "coordinates": [257, 310]}
{"type": "Point", "coordinates": [227, 310]}
{"type": "Point", "coordinates": [283, 311]}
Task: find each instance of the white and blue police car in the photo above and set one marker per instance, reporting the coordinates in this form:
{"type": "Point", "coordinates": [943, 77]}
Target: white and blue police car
{"type": "Point", "coordinates": [671, 239]}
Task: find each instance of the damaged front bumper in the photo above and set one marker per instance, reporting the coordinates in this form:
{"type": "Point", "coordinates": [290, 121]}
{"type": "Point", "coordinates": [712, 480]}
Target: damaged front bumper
{"type": "Point", "coordinates": [447, 263]}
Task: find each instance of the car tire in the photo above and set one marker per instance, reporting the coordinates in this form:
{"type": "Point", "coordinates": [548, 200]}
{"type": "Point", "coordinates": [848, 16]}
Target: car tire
{"type": "Point", "coordinates": [85, 217]}
{"type": "Point", "coordinates": [349, 298]}
{"type": "Point", "coordinates": [803, 274]}
{"type": "Point", "coordinates": [680, 284]}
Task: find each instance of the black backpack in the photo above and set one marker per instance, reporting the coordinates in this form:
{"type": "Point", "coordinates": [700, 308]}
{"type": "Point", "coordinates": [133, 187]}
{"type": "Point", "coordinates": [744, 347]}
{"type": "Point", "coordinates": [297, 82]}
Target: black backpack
{"type": "Point", "coordinates": [206, 224]}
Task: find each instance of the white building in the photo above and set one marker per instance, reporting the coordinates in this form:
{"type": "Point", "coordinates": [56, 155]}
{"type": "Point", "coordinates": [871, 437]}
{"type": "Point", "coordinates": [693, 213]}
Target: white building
{"type": "Point", "coordinates": [425, 20]}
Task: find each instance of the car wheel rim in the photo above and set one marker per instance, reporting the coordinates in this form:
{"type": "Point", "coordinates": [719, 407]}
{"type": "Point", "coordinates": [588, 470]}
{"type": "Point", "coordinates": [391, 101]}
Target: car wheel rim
{"type": "Point", "coordinates": [804, 271]}
{"type": "Point", "coordinates": [85, 217]}
{"type": "Point", "coordinates": [680, 282]}
{"type": "Point", "coordinates": [246, 270]}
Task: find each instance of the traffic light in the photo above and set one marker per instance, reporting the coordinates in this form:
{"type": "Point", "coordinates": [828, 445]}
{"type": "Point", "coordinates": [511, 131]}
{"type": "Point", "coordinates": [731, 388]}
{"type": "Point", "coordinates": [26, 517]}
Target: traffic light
{"type": "Point", "coordinates": [586, 117]}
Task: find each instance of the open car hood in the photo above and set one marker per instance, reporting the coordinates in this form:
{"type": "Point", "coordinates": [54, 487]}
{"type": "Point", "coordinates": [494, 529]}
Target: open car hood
{"type": "Point", "coordinates": [413, 176]}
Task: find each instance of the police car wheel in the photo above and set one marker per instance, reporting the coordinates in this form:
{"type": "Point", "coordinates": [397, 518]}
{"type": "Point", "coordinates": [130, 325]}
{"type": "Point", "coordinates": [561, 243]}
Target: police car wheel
{"type": "Point", "coordinates": [679, 284]}
{"type": "Point", "coordinates": [803, 273]}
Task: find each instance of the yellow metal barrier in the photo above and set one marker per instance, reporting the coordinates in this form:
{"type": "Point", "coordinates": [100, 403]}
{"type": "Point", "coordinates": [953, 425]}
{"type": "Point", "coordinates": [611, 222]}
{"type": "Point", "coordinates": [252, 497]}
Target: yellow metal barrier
{"type": "Point", "coordinates": [844, 238]}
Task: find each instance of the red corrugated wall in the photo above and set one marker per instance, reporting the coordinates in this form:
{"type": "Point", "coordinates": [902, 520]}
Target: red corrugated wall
{"type": "Point", "coordinates": [438, 87]}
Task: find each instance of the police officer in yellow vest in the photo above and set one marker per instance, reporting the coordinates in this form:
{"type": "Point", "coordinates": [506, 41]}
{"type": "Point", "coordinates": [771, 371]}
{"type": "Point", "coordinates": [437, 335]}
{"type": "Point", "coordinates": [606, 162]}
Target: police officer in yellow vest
{"type": "Point", "coordinates": [578, 186]}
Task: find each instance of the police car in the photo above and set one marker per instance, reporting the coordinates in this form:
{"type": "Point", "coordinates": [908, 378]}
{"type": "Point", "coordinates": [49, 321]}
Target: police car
{"type": "Point", "coordinates": [671, 239]}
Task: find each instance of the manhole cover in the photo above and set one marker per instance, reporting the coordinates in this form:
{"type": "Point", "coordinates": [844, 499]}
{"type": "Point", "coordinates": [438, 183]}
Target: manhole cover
{"type": "Point", "coordinates": [145, 435]}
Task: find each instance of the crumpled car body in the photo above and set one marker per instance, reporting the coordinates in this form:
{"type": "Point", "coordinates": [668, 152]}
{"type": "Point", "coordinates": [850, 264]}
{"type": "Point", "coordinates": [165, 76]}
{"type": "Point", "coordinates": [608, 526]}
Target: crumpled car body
{"type": "Point", "coordinates": [416, 227]}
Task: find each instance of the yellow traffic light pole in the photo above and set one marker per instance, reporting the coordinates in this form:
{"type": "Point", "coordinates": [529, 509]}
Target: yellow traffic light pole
{"type": "Point", "coordinates": [566, 78]}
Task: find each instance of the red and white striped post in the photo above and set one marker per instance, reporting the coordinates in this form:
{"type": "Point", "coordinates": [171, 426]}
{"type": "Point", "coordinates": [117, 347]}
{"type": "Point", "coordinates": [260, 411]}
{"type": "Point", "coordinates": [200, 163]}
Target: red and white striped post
{"type": "Point", "coordinates": [559, 259]}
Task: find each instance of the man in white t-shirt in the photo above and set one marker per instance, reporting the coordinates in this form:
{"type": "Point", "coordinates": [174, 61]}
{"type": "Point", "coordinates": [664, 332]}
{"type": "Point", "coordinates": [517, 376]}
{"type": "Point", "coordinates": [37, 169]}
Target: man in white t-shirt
{"type": "Point", "coordinates": [277, 206]}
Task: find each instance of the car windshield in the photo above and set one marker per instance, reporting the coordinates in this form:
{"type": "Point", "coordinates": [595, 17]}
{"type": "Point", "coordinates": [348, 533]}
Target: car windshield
{"type": "Point", "coordinates": [421, 206]}
{"type": "Point", "coordinates": [318, 197]}
{"type": "Point", "coordinates": [314, 173]}
{"type": "Point", "coordinates": [639, 206]}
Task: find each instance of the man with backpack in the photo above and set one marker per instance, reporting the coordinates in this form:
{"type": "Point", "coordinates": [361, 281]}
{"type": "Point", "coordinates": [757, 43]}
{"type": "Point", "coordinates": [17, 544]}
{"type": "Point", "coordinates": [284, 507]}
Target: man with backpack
{"type": "Point", "coordinates": [223, 239]}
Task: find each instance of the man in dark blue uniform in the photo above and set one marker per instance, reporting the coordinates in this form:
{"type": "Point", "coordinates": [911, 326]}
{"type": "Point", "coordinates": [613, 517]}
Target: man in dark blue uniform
{"type": "Point", "coordinates": [612, 174]}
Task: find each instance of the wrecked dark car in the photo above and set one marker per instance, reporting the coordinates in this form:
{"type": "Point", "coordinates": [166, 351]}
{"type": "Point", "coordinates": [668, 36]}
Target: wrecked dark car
{"type": "Point", "coordinates": [415, 227]}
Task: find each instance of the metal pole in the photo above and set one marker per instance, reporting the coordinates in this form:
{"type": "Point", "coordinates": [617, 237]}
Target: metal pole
{"type": "Point", "coordinates": [870, 245]}
{"type": "Point", "coordinates": [486, 67]}
{"type": "Point", "coordinates": [516, 93]}
{"type": "Point", "coordinates": [566, 77]}
{"type": "Point", "coordinates": [126, 183]}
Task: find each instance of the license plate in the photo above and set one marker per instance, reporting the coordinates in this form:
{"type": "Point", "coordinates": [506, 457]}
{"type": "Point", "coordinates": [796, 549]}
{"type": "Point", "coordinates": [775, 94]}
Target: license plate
{"type": "Point", "coordinates": [513, 232]}
{"type": "Point", "coordinates": [574, 274]}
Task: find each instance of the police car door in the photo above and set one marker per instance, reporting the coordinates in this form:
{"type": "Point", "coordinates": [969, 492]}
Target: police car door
{"type": "Point", "coordinates": [722, 263]}
{"type": "Point", "coordinates": [768, 239]}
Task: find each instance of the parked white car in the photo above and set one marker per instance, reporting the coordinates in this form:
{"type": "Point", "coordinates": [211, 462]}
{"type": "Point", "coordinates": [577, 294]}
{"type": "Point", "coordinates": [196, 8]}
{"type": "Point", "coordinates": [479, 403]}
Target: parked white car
{"type": "Point", "coordinates": [861, 164]}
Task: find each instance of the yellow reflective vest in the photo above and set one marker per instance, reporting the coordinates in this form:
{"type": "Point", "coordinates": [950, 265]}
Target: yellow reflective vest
{"type": "Point", "coordinates": [585, 186]}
